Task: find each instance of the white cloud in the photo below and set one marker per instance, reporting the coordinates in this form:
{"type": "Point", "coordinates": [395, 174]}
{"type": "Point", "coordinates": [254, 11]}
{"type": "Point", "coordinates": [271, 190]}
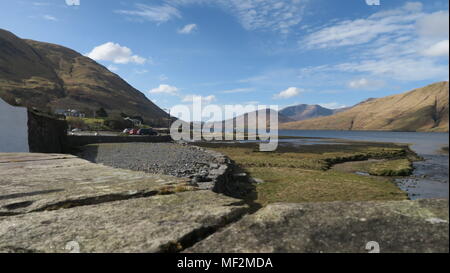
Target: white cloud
{"type": "Point", "coordinates": [393, 44]}
{"type": "Point", "coordinates": [112, 68]}
{"type": "Point", "coordinates": [188, 29]}
{"type": "Point", "coordinates": [163, 78]}
{"type": "Point", "coordinates": [158, 14]}
{"type": "Point", "coordinates": [360, 31]}
{"type": "Point", "coordinates": [267, 14]}
{"type": "Point", "coordinates": [366, 84]}
{"type": "Point", "coordinates": [115, 53]}
{"type": "Point", "coordinates": [404, 69]}
{"type": "Point", "coordinates": [270, 15]}
{"type": "Point", "coordinates": [140, 71]}
{"type": "Point", "coordinates": [288, 93]}
{"type": "Point", "coordinates": [40, 4]}
{"type": "Point", "coordinates": [204, 99]}
{"type": "Point", "coordinates": [434, 25]}
{"type": "Point", "coordinates": [252, 102]}
{"type": "Point", "coordinates": [238, 90]}
{"type": "Point", "coordinates": [164, 89]}
{"type": "Point", "coordinates": [438, 49]}
{"type": "Point", "coordinates": [332, 105]}
{"type": "Point", "coordinates": [49, 18]}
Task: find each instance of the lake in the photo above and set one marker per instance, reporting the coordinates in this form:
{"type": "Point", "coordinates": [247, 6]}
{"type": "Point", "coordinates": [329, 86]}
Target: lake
{"type": "Point", "coordinates": [423, 143]}
{"type": "Point", "coordinates": [430, 177]}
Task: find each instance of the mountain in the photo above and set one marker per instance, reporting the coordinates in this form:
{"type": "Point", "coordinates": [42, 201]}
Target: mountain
{"type": "Point", "coordinates": [48, 77]}
{"type": "Point", "coordinates": [255, 118]}
{"type": "Point", "coordinates": [422, 109]}
{"type": "Point", "coordinates": [306, 111]}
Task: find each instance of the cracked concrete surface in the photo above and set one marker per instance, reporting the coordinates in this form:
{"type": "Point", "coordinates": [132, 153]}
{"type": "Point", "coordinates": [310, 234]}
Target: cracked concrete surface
{"type": "Point", "coordinates": [35, 182]}
{"type": "Point", "coordinates": [61, 203]}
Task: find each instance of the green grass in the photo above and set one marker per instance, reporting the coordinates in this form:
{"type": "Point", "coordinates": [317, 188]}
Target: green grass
{"type": "Point", "coordinates": [395, 167]}
{"type": "Point", "coordinates": [91, 124]}
{"type": "Point", "coordinates": [301, 185]}
{"type": "Point", "coordinates": [399, 167]}
{"type": "Point", "coordinates": [303, 174]}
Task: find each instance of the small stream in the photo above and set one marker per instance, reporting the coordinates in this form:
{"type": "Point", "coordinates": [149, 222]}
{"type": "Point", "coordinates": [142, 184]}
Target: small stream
{"type": "Point", "coordinates": [429, 180]}
{"type": "Point", "coordinates": [430, 177]}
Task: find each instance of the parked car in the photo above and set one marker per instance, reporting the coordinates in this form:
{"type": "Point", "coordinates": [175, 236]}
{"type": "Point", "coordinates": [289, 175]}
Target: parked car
{"type": "Point", "coordinates": [133, 132]}
{"type": "Point", "coordinates": [76, 130]}
{"type": "Point", "coordinates": [127, 130]}
{"type": "Point", "coordinates": [147, 132]}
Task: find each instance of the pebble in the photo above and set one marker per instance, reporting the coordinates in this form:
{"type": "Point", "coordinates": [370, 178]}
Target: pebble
{"type": "Point", "coordinates": [162, 158]}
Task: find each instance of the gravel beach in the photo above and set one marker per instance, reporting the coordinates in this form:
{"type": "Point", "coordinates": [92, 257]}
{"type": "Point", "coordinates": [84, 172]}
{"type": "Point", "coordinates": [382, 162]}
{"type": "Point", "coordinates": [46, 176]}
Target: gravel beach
{"type": "Point", "coordinates": [162, 158]}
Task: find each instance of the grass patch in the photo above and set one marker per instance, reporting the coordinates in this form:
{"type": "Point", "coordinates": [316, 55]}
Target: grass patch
{"type": "Point", "coordinates": [295, 173]}
{"type": "Point", "coordinates": [299, 185]}
{"type": "Point", "coordinates": [399, 167]}
{"type": "Point", "coordinates": [395, 167]}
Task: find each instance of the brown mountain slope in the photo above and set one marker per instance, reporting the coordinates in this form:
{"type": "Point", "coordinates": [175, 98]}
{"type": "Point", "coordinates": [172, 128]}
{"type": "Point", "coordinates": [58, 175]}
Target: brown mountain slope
{"type": "Point", "coordinates": [306, 111]}
{"type": "Point", "coordinates": [422, 109]}
{"type": "Point", "coordinates": [252, 119]}
{"type": "Point", "coordinates": [48, 76]}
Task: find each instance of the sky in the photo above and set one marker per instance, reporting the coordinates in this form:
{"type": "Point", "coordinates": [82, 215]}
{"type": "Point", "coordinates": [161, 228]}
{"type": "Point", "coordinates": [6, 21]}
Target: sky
{"type": "Point", "coordinates": [327, 52]}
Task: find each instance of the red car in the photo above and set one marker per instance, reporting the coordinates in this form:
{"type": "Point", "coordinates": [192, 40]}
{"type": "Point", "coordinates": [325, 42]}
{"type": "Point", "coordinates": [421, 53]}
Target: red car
{"type": "Point", "coordinates": [134, 132]}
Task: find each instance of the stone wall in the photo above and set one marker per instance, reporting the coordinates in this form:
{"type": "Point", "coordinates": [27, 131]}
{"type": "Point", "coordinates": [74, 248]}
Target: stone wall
{"type": "Point", "coordinates": [46, 134]}
{"type": "Point", "coordinates": [78, 141]}
{"type": "Point", "coordinates": [225, 177]}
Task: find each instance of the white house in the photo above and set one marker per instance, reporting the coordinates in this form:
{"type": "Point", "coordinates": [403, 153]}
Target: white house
{"type": "Point", "coordinates": [13, 128]}
{"type": "Point", "coordinates": [70, 113]}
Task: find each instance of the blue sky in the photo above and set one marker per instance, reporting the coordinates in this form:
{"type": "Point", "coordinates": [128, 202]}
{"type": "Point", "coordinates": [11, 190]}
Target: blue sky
{"type": "Point", "coordinates": [333, 53]}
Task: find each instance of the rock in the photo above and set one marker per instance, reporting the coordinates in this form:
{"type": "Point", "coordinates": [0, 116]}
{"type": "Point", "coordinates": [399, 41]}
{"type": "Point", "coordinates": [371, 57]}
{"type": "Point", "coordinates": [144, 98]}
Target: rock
{"type": "Point", "coordinates": [165, 223]}
{"type": "Point", "coordinates": [396, 226]}
{"type": "Point", "coordinates": [33, 182]}
{"type": "Point", "coordinates": [256, 180]}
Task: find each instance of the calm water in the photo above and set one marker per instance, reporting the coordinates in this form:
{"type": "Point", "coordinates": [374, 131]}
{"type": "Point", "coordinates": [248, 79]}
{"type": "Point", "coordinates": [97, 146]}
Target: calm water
{"type": "Point", "coordinates": [430, 177]}
{"type": "Point", "coordinates": [421, 143]}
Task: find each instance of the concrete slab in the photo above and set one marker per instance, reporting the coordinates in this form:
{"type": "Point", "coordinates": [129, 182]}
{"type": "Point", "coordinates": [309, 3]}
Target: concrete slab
{"type": "Point", "coordinates": [163, 223]}
{"type": "Point", "coordinates": [402, 226]}
{"type": "Point", "coordinates": [36, 182]}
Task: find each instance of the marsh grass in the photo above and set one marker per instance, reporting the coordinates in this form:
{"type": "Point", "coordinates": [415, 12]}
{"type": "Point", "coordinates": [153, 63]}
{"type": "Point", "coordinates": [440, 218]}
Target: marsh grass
{"type": "Point", "coordinates": [296, 173]}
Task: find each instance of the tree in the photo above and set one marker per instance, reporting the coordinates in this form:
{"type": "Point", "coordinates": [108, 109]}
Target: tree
{"type": "Point", "coordinates": [118, 123]}
{"type": "Point", "coordinates": [101, 113]}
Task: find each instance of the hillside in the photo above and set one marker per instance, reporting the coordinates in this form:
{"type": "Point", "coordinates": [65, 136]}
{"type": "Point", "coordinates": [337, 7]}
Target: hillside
{"type": "Point", "coordinates": [251, 119]}
{"type": "Point", "coordinates": [422, 109]}
{"type": "Point", "coordinates": [49, 77]}
{"type": "Point", "coordinates": [306, 111]}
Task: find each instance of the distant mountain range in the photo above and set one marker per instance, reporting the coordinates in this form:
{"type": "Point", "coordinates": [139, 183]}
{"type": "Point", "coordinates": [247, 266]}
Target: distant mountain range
{"type": "Point", "coordinates": [306, 111]}
{"type": "Point", "coordinates": [288, 114]}
{"type": "Point", "coordinates": [422, 109]}
{"type": "Point", "coordinates": [50, 77]}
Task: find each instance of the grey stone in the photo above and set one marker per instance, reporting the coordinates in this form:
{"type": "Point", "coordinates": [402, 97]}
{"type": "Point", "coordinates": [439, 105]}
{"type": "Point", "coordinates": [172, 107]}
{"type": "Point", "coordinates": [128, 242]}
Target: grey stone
{"type": "Point", "coordinates": [33, 182]}
{"type": "Point", "coordinates": [163, 223]}
{"type": "Point", "coordinates": [257, 180]}
{"type": "Point", "coordinates": [396, 226]}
